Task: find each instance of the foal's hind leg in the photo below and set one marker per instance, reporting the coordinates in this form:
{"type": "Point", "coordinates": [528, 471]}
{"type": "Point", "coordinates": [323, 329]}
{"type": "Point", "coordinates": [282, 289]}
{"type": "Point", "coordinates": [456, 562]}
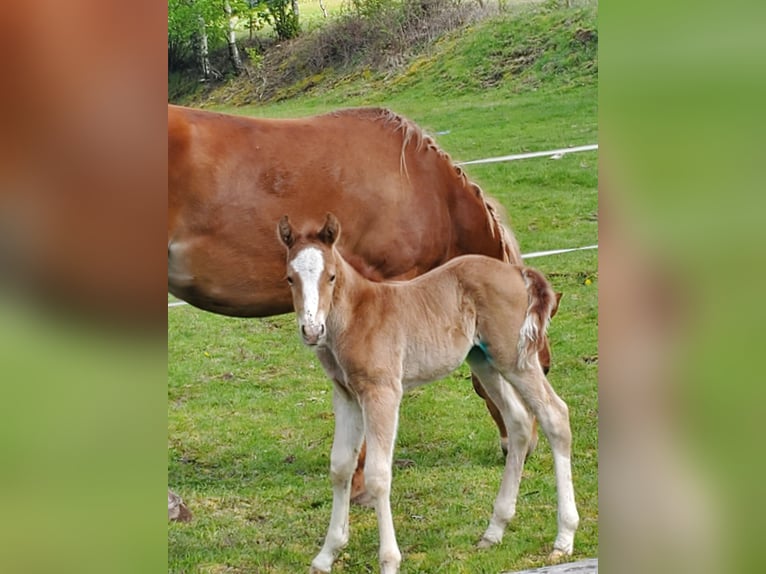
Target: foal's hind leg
{"type": "Point", "coordinates": [553, 415]}
{"type": "Point", "coordinates": [519, 422]}
{"type": "Point", "coordinates": [497, 417]}
{"type": "Point", "coordinates": [345, 447]}
{"type": "Point", "coordinates": [544, 356]}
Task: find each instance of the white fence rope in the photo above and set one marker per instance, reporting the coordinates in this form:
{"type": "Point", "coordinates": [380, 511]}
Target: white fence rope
{"type": "Point", "coordinates": [556, 153]}
{"type": "Point", "coordinates": [556, 251]}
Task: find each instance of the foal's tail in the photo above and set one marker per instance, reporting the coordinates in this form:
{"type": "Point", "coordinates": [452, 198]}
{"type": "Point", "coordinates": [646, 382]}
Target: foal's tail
{"type": "Point", "coordinates": [542, 303]}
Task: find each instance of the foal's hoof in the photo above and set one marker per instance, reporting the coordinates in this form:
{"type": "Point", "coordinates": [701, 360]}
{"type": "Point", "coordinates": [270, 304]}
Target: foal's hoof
{"type": "Point", "coordinates": [557, 556]}
{"type": "Point", "coordinates": [313, 570]}
{"type": "Point", "coordinates": [486, 543]}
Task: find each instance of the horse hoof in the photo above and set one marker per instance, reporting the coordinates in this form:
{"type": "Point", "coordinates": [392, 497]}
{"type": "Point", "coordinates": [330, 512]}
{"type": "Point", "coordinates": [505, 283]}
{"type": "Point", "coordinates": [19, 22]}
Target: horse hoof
{"type": "Point", "coordinates": [177, 510]}
{"type": "Point", "coordinates": [313, 570]}
{"type": "Point", "coordinates": [485, 543]}
{"type": "Point", "coordinates": [363, 499]}
{"type": "Point", "coordinates": [557, 556]}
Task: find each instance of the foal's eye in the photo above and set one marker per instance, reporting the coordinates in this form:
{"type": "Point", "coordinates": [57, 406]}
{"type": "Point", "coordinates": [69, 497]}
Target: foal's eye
{"type": "Point", "coordinates": [289, 280]}
{"type": "Point", "coordinates": [332, 278]}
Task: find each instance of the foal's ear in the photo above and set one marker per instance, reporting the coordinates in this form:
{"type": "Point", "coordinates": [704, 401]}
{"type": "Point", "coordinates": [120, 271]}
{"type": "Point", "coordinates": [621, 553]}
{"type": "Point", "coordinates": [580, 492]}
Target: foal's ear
{"type": "Point", "coordinates": [330, 231]}
{"type": "Point", "coordinates": [285, 232]}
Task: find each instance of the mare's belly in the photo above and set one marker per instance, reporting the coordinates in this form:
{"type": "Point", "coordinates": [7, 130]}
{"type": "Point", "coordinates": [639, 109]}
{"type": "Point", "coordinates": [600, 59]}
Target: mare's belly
{"type": "Point", "coordinates": [225, 286]}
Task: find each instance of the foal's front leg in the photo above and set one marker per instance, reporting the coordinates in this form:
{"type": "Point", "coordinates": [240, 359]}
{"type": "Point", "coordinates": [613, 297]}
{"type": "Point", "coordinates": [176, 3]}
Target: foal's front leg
{"type": "Point", "coordinates": [349, 429]}
{"type": "Point", "coordinates": [380, 407]}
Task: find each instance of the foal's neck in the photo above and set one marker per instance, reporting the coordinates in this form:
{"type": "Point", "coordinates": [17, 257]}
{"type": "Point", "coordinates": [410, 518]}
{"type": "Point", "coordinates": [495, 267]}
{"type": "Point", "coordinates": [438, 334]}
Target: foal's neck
{"type": "Point", "coordinates": [350, 286]}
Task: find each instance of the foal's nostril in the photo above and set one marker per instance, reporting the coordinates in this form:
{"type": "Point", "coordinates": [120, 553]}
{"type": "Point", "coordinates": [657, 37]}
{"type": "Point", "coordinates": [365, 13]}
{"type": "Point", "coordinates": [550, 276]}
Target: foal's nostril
{"type": "Point", "coordinates": [303, 330]}
{"type": "Point", "coordinates": [321, 329]}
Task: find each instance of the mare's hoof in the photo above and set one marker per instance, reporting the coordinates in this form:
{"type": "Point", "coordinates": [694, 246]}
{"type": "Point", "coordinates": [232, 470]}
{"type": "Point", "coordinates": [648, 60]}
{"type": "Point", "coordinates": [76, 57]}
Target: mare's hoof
{"type": "Point", "coordinates": [313, 570]}
{"type": "Point", "coordinates": [177, 510]}
{"type": "Point", "coordinates": [363, 499]}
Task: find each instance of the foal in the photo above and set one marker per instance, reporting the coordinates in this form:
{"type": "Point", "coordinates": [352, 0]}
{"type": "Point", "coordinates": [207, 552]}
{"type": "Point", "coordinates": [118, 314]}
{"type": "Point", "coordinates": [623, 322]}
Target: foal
{"type": "Point", "coordinates": [377, 340]}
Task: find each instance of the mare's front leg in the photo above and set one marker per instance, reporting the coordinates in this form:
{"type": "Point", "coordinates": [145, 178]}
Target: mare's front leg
{"type": "Point", "coordinates": [349, 429]}
{"type": "Point", "coordinates": [380, 406]}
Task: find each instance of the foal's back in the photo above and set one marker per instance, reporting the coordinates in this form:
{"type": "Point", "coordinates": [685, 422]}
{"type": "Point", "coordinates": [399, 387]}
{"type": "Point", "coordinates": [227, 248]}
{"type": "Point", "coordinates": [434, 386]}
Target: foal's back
{"type": "Point", "coordinates": [432, 322]}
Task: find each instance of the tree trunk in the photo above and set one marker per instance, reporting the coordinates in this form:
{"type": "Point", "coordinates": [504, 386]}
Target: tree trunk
{"type": "Point", "coordinates": [231, 38]}
{"type": "Point", "coordinates": [204, 56]}
{"type": "Point", "coordinates": [296, 10]}
{"type": "Point", "coordinates": [321, 5]}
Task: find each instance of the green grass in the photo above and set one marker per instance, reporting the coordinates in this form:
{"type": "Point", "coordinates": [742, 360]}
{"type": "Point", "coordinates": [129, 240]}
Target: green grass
{"type": "Point", "coordinates": [249, 409]}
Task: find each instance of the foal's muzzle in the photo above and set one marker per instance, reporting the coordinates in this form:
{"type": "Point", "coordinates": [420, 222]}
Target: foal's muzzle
{"type": "Point", "coordinates": [313, 334]}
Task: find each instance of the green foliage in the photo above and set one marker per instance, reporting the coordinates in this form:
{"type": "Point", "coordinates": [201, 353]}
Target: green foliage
{"type": "Point", "coordinates": [283, 19]}
{"type": "Point", "coordinates": [188, 19]}
{"type": "Point", "coordinates": [370, 8]}
{"type": "Point", "coordinates": [255, 57]}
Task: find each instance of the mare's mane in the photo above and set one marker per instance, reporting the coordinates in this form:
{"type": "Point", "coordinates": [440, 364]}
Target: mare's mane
{"type": "Point", "coordinates": [412, 134]}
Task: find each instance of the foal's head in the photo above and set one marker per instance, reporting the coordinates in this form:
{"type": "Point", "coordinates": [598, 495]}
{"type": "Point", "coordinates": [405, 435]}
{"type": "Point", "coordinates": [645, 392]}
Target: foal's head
{"type": "Point", "coordinates": [311, 271]}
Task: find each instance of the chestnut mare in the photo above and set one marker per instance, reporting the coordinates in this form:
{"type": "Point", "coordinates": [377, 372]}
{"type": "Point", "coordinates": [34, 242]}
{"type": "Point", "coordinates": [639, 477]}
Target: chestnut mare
{"type": "Point", "coordinates": [405, 207]}
{"type": "Point", "coordinates": [378, 340]}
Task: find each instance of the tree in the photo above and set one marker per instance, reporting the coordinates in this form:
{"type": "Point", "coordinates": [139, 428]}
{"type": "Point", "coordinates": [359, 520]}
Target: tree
{"type": "Point", "coordinates": [231, 38]}
{"type": "Point", "coordinates": [196, 27]}
{"type": "Point", "coordinates": [284, 18]}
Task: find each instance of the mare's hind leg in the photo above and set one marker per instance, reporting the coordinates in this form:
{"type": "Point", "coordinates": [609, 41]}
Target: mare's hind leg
{"type": "Point", "coordinates": [519, 423]}
{"type": "Point", "coordinates": [359, 494]}
{"type": "Point", "coordinates": [553, 414]}
{"type": "Point", "coordinates": [345, 447]}
{"type": "Point", "coordinates": [493, 411]}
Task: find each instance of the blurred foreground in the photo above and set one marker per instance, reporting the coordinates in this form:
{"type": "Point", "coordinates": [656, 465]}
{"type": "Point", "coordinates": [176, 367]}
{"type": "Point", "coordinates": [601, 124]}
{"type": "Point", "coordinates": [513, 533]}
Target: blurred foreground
{"type": "Point", "coordinates": [681, 270]}
{"type": "Point", "coordinates": [82, 287]}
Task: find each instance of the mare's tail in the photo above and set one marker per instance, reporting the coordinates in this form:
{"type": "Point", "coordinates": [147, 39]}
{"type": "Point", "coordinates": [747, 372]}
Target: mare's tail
{"type": "Point", "coordinates": [542, 304]}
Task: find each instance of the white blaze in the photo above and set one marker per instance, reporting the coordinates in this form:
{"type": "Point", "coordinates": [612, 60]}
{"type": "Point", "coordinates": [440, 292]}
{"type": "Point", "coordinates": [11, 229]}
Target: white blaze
{"type": "Point", "coordinates": [309, 264]}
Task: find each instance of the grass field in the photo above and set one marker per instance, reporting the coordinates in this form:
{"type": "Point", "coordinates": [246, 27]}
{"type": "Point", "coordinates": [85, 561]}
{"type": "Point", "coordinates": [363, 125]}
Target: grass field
{"type": "Point", "coordinates": [249, 409]}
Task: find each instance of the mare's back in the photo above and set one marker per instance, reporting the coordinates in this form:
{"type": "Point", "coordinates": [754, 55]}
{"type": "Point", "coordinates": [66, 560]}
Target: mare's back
{"type": "Point", "coordinates": [404, 207]}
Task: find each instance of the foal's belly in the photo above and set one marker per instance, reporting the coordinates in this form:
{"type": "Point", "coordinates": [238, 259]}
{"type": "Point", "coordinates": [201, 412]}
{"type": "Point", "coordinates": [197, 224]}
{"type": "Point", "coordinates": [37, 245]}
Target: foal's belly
{"type": "Point", "coordinates": [431, 365]}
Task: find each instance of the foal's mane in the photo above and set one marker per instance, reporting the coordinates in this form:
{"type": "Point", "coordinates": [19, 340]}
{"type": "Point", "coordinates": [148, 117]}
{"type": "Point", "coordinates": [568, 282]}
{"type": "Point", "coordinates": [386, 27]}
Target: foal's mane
{"type": "Point", "coordinates": [412, 134]}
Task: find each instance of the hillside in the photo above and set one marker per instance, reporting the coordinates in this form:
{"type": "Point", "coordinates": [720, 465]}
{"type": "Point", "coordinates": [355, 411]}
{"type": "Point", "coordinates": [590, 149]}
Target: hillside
{"type": "Point", "coordinates": [349, 59]}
